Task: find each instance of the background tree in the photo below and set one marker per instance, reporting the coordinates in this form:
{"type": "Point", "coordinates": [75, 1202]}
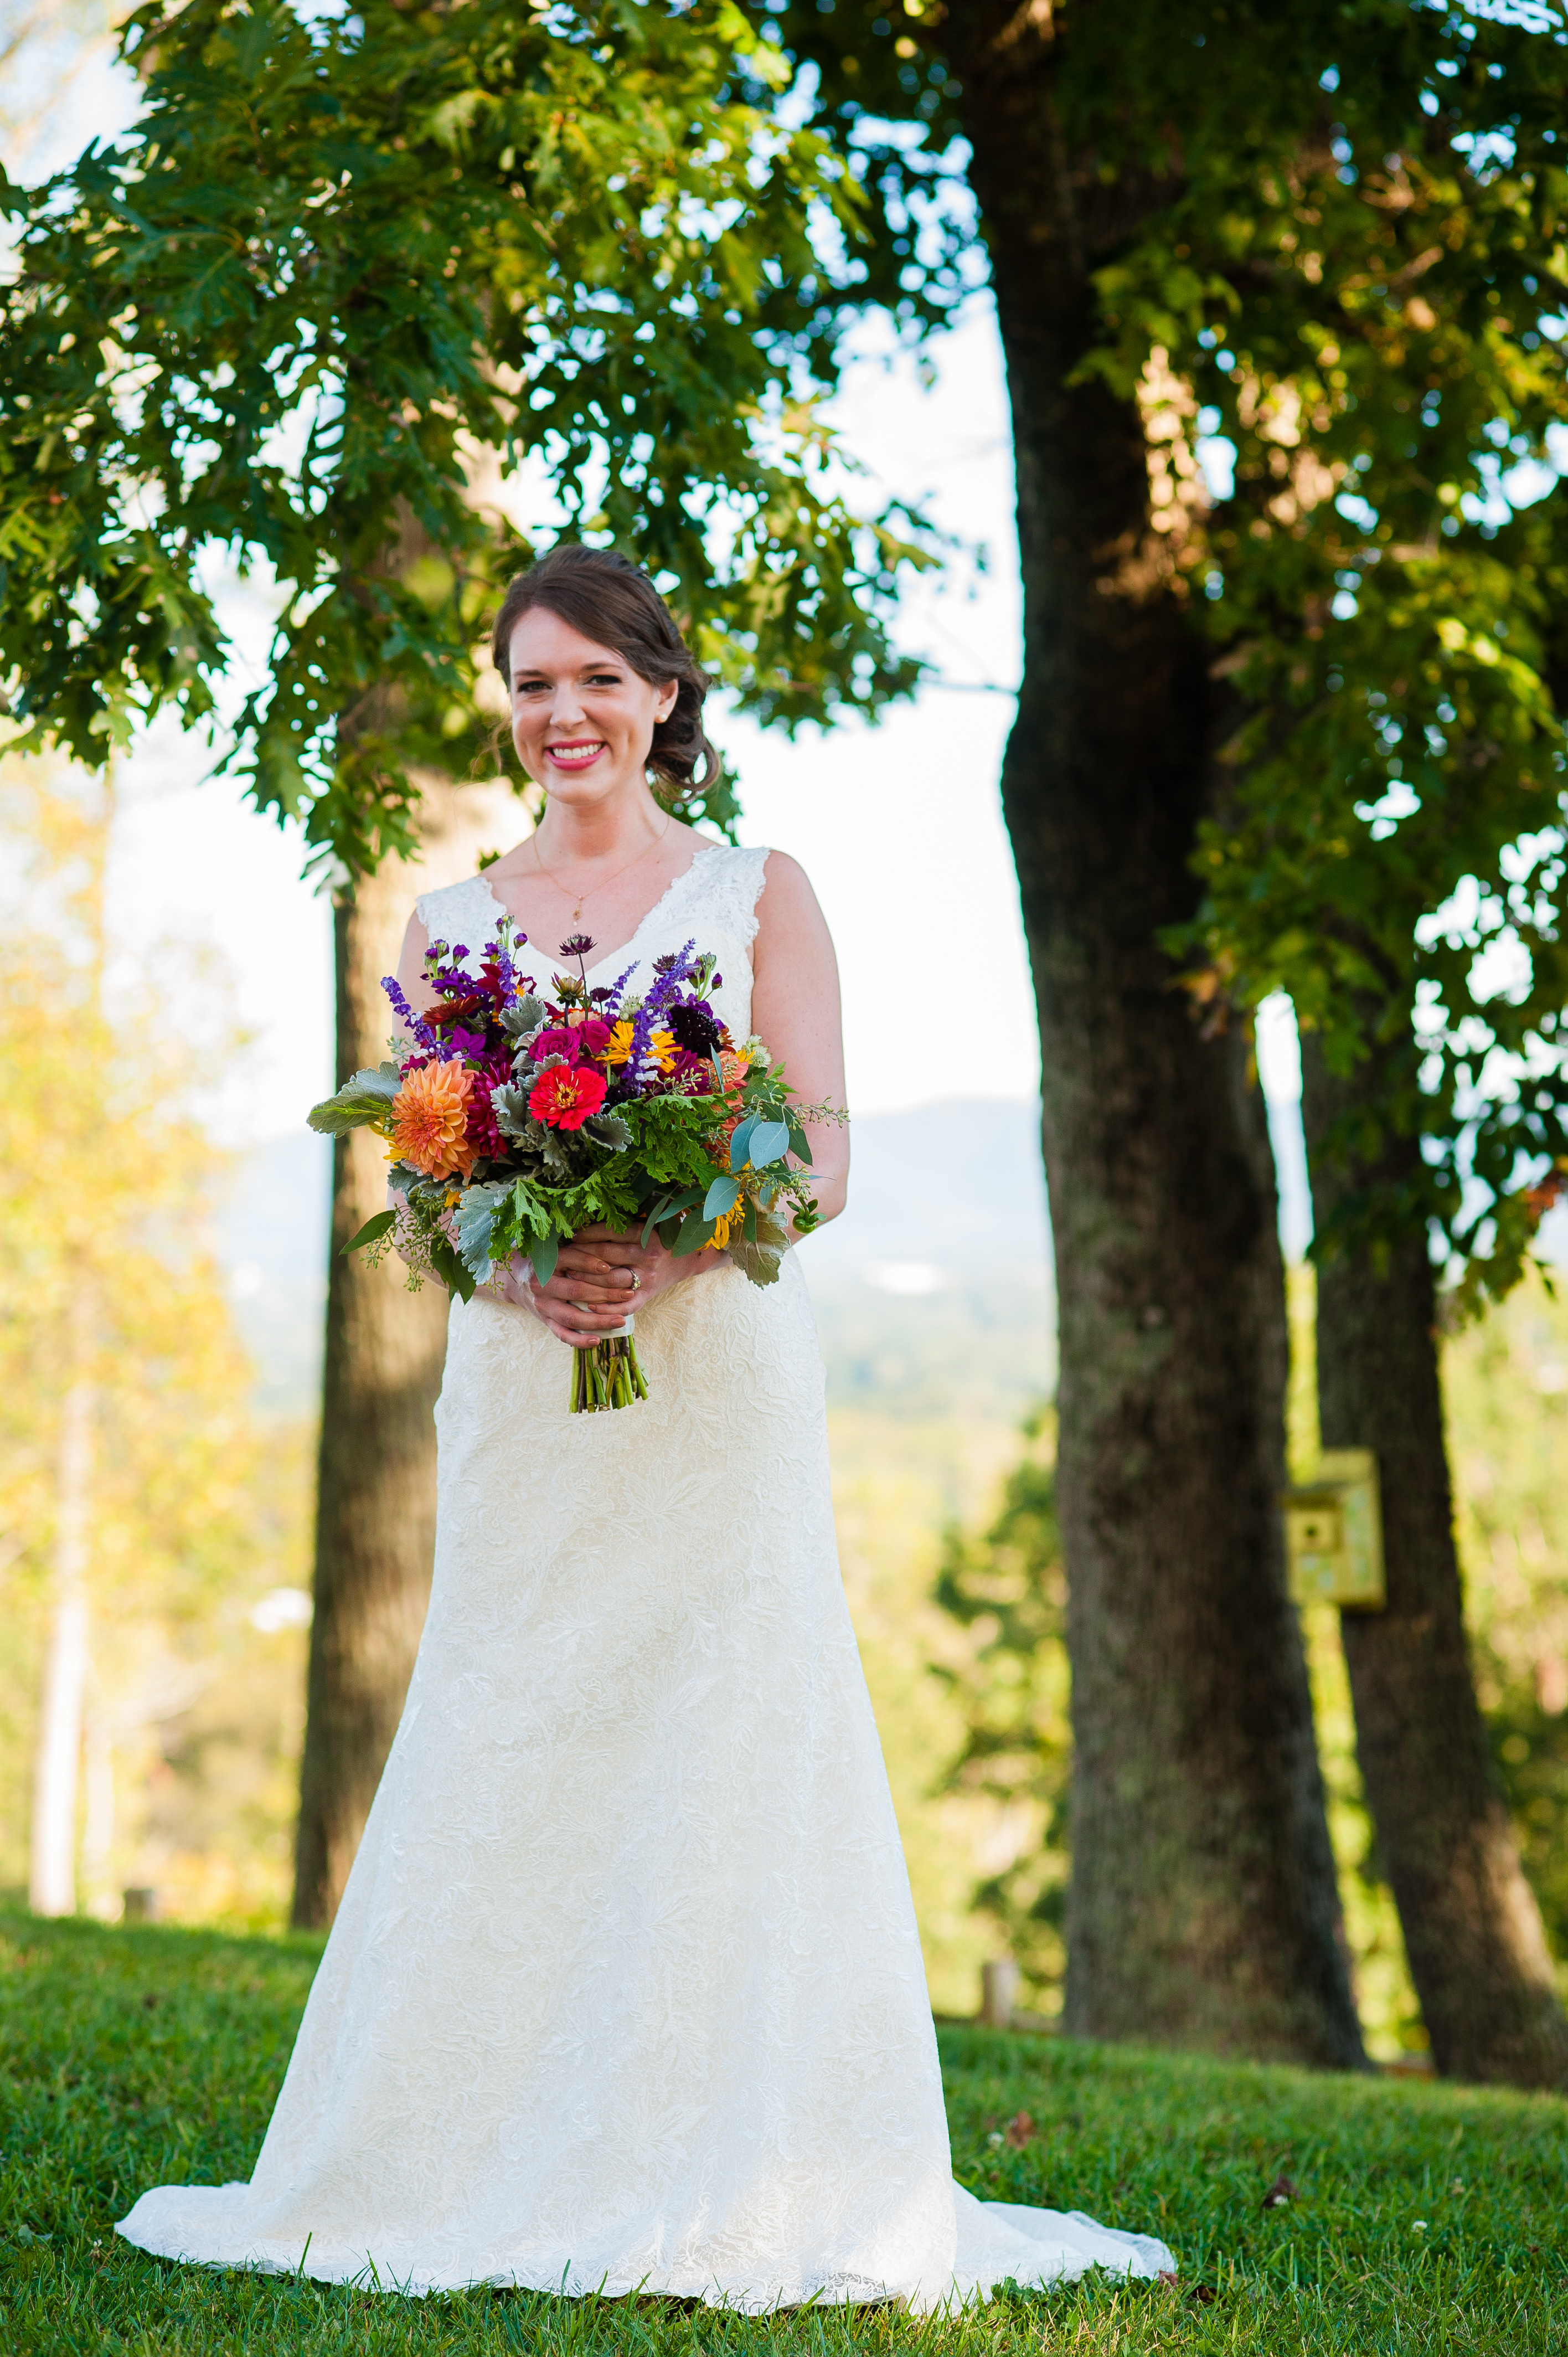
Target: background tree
{"type": "Point", "coordinates": [1202, 1903]}
{"type": "Point", "coordinates": [1228, 220]}
{"type": "Point", "coordinates": [134, 1472]}
{"type": "Point", "coordinates": [355, 303]}
{"type": "Point", "coordinates": [1393, 852]}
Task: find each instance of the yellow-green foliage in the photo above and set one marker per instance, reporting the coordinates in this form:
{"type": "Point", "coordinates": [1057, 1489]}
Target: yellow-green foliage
{"type": "Point", "coordinates": [1507, 1386]}
{"type": "Point", "coordinates": [195, 1509]}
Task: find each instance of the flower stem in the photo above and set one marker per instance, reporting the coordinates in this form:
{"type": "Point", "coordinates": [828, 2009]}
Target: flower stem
{"type": "Point", "coordinates": [606, 1376]}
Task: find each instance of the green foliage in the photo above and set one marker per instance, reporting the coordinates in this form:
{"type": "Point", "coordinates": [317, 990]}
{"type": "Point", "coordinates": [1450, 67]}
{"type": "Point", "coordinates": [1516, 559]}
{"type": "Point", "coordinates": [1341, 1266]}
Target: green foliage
{"type": "Point", "coordinates": [1009, 1587]}
{"type": "Point", "coordinates": [343, 280]}
{"type": "Point", "coordinates": [1424, 2218]}
{"type": "Point", "coordinates": [1505, 1385]}
{"type": "Point", "coordinates": [1336, 236]}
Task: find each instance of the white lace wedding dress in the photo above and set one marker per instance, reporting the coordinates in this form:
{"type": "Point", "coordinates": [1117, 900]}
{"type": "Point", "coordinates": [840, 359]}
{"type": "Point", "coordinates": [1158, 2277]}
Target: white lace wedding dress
{"type": "Point", "coordinates": [626, 1989]}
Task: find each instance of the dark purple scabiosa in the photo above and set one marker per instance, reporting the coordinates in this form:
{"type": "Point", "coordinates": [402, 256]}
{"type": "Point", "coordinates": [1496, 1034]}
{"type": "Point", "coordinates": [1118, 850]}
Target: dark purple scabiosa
{"type": "Point", "coordinates": [696, 1026]}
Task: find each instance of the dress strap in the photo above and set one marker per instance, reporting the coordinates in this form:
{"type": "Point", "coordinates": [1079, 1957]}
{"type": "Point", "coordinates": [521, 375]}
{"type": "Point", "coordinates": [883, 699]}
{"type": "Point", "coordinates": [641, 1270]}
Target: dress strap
{"type": "Point", "coordinates": [466, 912]}
{"type": "Point", "coordinates": [728, 885]}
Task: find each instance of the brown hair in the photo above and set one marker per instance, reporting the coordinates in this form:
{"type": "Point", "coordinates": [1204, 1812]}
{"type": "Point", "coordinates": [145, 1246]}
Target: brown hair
{"type": "Point", "coordinates": [611, 601]}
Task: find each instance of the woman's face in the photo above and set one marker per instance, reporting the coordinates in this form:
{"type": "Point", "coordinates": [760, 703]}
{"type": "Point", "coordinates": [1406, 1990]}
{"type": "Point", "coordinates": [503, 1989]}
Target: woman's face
{"type": "Point", "coordinates": [582, 720]}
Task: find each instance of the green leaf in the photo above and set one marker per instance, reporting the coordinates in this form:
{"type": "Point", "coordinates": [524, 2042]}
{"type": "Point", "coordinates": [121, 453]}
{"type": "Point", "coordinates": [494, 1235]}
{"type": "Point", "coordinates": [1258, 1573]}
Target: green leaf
{"type": "Point", "coordinates": [544, 1255]}
{"type": "Point", "coordinates": [721, 1198]}
{"type": "Point", "coordinates": [365, 1098]}
{"type": "Point", "coordinates": [740, 1140]}
{"type": "Point", "coordinates": [450, 1269]}
{"type": "Point", "coordinates": [695, 1232]}
{"type": "Point", "coordinates": [372, 1230]}
{"type": "Point", "coordinates": [770, 1140]}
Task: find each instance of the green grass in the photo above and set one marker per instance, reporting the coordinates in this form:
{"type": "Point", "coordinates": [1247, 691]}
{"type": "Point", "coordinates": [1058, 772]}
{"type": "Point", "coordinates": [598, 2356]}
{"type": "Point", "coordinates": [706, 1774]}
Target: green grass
{"type": "Point", "coordinates": [138, 2058]}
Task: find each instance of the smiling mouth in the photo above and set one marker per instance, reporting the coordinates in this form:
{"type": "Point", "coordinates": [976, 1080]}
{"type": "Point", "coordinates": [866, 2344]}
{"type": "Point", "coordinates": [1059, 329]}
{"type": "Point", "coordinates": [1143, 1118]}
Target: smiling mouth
{"type": "Point", "coordinates": [577, 754]}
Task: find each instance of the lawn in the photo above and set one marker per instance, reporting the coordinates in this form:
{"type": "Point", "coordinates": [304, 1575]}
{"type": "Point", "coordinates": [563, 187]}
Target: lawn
{"type": "Point", "coordinates": [1420, 2217]}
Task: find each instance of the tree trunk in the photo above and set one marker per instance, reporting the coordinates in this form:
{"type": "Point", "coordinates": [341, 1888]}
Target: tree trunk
{"type": "Point", "coordinates": [52, 1861]}
{"type": "Point", "coordinates": [375, 1500]}
{"type": "Point", "coordinates": [1472, 1929]}
{"type": "Point", "coordinates": [1203, 1907]}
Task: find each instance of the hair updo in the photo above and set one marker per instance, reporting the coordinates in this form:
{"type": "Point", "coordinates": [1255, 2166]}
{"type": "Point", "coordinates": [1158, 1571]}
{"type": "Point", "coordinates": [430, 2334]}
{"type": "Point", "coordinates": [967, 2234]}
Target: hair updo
{"type": "Point", "coordinates": [610, 599]}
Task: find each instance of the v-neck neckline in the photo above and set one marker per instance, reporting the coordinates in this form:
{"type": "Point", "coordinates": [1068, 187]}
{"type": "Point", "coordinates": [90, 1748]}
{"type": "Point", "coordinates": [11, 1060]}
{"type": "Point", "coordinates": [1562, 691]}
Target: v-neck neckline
{"type": "Point", "coordinates": [668, 893]}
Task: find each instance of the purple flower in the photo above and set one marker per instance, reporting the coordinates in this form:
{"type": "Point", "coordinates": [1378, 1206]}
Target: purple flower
{"type": "Point", "coordinates": [416, 1025]}
{"type": "Point", "coordinates": [673, 971]}
{"type": "Point", "coordinates": [696, 1026]}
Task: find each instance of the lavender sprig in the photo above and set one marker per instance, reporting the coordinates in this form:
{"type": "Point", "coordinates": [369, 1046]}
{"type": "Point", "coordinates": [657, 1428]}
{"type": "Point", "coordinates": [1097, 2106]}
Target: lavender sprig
{"type": "Point", "coordinates": [417, 1026]}
{"type": "Point", "coordinates": [672, 971]}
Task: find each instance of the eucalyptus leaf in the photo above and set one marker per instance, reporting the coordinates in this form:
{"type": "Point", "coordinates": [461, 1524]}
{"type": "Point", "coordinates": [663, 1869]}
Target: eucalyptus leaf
{"type": "Point", "coordinates": [770, 1140]}
{"type": "Point", "coordinates": [740, 1140]}
{"type": "Point", "coordinates": [544, 1255]}
{"type": "Point", "coordinates": [721, 1198]}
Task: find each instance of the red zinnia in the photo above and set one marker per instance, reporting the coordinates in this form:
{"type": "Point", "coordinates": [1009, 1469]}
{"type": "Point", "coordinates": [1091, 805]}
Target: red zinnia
{"type": "Point", "coordinates": [567, 1094]}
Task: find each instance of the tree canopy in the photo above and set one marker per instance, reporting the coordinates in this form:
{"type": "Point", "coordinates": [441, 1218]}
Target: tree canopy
{"type": "Point", "coordinates": [1334, 238]}
{"type": "Point", "coordinates": [355, 302]}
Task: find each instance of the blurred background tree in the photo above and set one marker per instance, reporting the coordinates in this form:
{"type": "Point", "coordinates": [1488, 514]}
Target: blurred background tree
{"type": "Point", "coordinates": [126, 1417]}
{"type": "Point", "coordinates": [1002, 1580]}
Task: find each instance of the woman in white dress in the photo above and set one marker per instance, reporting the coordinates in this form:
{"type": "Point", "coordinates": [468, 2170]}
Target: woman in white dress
{"type": "Point", "coordinates": [626, 1991]}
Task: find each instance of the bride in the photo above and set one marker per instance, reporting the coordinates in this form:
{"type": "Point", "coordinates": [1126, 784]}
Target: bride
{"type": "Point", "coordinates": [626, 1992]}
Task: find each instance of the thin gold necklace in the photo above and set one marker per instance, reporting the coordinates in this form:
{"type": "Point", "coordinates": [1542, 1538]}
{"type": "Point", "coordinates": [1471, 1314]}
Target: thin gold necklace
{"type": "Point", "coordinates": [599, 887]}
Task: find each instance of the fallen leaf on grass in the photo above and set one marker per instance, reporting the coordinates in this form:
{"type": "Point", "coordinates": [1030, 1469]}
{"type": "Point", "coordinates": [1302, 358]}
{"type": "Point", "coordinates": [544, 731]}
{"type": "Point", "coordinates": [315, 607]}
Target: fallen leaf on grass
{"type": "Point", "coordinates": [1280, 2191]}
{"type": "Point", "coordinates": [1202, 2294]}
{"type": "Point", "coordinates": [1020, 2128]}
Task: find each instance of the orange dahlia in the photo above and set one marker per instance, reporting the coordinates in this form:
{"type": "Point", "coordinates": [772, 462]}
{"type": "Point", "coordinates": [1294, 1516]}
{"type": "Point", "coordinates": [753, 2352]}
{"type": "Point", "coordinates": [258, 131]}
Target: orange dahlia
{"type": "Point", "coordinates": [430, 1120]}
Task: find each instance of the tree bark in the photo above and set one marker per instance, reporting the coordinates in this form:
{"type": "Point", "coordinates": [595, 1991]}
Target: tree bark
{"type": "Point", "coordinates": [1203, 1907]}
{"type": "Point", "coordinates": [376, 1497]}
{"type": "Point", "coordinates": [1472, 1929]}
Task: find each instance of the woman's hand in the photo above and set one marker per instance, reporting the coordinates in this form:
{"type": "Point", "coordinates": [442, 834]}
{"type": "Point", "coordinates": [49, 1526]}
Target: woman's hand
{"type": "Point", "coordinates": [600, 1280]}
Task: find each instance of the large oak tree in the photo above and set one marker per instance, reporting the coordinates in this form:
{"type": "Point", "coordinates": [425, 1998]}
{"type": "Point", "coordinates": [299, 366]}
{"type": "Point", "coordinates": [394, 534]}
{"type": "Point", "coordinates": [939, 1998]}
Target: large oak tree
{"type": "Point", "coordinates": [1329, 234]}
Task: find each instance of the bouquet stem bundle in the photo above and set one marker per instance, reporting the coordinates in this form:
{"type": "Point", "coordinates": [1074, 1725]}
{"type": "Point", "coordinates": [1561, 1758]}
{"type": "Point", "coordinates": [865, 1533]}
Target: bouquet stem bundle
{"type": "Point", "coordinates": [608, 1374]}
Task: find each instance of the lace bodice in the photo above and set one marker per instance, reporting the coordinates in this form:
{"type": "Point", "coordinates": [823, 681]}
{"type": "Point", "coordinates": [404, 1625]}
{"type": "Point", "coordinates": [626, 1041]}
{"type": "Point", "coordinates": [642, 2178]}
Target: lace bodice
{"type": "Point", "coordinates": [713, 904]}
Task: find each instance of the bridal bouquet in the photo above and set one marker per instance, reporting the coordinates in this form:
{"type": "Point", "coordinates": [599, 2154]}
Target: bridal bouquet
{"type": "Point", "coordinates": [513, 1120]}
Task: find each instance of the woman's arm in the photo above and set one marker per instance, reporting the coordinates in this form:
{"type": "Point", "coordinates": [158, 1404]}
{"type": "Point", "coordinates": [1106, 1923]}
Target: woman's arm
{"type": "Point", "coordinates": [795, 1012]}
